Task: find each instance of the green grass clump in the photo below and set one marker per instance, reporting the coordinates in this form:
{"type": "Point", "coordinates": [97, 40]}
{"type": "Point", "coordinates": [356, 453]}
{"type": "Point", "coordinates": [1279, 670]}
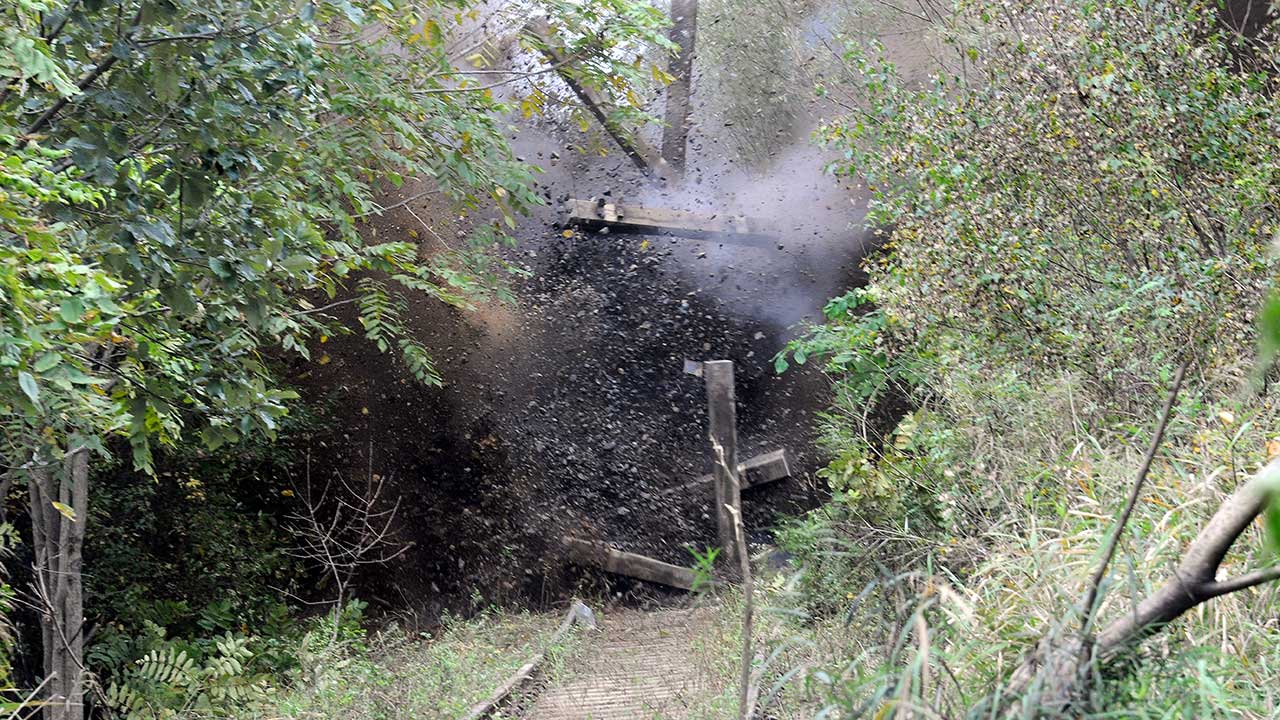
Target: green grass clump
{"type": "Point", "coordinates": [439, 674]}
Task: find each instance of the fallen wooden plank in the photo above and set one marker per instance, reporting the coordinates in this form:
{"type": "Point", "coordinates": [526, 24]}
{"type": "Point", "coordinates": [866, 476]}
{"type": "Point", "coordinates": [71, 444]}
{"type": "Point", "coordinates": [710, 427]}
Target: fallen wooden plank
{"type": "Point", "coordinates": [625, 217]}
{"type": "Point", "coordinates": [630, 564]}
{"type": "Point", "coordinates": [578, 612]}
{"type": "Point", "coordinates": [644, 156]}
{"type": "Point", "coordinates": [758, 470]}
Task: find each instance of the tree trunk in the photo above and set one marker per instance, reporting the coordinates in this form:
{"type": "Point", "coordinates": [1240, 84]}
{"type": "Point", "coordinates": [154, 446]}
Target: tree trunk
{"type": "Point", "coordinates": [1059, 672]}
{"type": "Point", "coordinates": [59, 510]}
{"type": "Point", "coordinates": [684, 29]}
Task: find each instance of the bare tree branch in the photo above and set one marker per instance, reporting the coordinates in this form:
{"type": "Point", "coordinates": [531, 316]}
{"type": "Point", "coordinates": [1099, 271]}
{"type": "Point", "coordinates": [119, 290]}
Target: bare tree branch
{"type": "Point", "coordinates": [1091, 595]}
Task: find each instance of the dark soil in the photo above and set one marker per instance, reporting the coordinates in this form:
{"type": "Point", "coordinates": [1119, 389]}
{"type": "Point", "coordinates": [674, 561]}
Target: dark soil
{"type": "Point", "coordinates": [570, 412]}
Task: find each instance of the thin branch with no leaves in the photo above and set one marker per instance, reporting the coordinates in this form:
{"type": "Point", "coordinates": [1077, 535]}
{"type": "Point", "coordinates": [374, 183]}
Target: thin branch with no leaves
{"type": "Point", "coordinates": [1122, 519]}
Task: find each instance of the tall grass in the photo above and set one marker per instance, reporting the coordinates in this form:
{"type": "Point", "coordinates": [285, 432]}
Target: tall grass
{"type": "Point", "coordinates": [924, 617]}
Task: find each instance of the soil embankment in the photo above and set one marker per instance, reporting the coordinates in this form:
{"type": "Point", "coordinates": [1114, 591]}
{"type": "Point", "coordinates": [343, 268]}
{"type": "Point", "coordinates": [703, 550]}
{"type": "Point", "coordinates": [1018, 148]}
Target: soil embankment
{"type": "Point", "coordinates": [568, 411]}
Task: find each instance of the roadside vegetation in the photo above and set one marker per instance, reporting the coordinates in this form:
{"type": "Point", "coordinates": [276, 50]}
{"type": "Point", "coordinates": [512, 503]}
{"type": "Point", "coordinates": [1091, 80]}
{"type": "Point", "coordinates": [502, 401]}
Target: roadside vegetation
{"type": "Point", "coordinates": [1080, 204]}
{"type": "Point", "coordinates": [184, 192]}
{"type": "Point", "coordinates": [1053, 445]}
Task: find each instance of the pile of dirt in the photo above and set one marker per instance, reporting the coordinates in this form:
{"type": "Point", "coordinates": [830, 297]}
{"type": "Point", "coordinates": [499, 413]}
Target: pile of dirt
{"type": "Point", "coordinates": [567, 413]}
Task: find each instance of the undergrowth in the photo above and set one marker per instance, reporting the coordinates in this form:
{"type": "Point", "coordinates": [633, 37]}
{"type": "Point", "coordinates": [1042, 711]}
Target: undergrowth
{"type": "Point", "coordinates": [394, 674]}
{"type": "Point", "coordinates": [1047, 268]}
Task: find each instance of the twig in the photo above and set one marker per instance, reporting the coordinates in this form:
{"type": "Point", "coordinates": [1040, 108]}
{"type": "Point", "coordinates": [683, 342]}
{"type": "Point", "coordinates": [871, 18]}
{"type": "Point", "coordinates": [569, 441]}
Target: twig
{"type": "Point", "coordinates": [1091, 596]}
{"type": "Point", "coordinates": [746, 696]}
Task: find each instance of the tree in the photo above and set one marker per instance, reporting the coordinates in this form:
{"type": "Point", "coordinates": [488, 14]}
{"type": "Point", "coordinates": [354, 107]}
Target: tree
{"type": "Point", "coordinates": [1085, 196]}
{"type": "Point", "coordinates": [178, 177]}
{"type": "Point", "coordinates": [1089, 185]}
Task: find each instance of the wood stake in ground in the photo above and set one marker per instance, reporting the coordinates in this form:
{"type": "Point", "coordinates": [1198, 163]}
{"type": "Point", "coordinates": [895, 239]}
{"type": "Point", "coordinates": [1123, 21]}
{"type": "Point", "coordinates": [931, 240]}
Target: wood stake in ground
{"type": "Point", "coordinates": [723, 420]}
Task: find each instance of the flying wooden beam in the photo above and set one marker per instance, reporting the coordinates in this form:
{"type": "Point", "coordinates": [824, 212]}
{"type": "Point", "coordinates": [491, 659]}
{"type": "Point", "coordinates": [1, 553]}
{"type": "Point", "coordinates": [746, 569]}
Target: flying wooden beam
{"type": "Point", "coordinates": [629, 218]}
{"type": "Point", "coordinates": [629, 564]}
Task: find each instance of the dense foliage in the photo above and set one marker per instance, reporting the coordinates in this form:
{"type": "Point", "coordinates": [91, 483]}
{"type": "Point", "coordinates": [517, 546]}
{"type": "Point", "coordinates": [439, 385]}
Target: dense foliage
{"type": "Point", "coordinates": [177, 173]}
{"type": "Point", "coordinates": [1081, 199]}
{"type": "Point", "coordinates": [182, 191]}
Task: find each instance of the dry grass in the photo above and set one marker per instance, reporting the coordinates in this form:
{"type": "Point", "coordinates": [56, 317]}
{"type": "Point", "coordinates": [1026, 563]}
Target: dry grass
{"type": "Point", "coordinates": [946, 616]}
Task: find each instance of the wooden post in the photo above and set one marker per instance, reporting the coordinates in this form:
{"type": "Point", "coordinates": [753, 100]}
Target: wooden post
{"type": "Point", "coordinates": [722, 414]}
{"type": "Point", "coordinates": [684, 29]}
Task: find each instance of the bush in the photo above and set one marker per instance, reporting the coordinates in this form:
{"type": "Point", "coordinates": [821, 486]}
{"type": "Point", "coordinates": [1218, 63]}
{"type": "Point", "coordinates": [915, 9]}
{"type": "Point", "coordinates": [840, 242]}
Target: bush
{"type": "Point", "coordinates": [1077, 204]}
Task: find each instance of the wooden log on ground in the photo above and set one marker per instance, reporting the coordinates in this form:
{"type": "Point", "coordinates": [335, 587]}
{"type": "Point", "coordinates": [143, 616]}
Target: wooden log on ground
{"type": "Point", "coordinates": [722, 414]}
{"type": "Point", "coordinates": [626, 217]}
{"type": "Point", "coordinates": [629, 564]}
{"type": "Point", "coordinates": [641, 154]}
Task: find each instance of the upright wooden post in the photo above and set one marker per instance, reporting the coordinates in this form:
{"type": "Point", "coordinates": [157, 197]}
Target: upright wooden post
{"type": "Point", "coordinates": [684, 28]}
{"type": "Point", "coordinates": [722, 413]}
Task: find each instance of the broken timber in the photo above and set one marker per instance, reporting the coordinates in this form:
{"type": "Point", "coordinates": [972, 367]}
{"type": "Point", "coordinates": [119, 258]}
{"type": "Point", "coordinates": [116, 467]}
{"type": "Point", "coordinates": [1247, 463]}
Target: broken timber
{"type": "Point", "coordinates": [630, 564]}
{"type": "Point", "coordinates": [644, 156]}
{"type": "Point", "coordinates": [656, 221]}
{"type": "Point", "coordinates": [753, 472]}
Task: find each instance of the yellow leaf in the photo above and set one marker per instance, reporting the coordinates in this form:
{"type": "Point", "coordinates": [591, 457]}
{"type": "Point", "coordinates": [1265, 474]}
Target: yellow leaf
{"type": "Point", "coordinates": [413, 234]}
{"type": "Point", "coordinates": [324, 359]}
{"type": "Point", "coordinates": [65, 509]}
{"type": "Point", "coordinates": [287, 493]}
{"type": "Point", "coordinates": [567, 233]}
{"type": "Point", "coordinates": [644, 245]}
{"type": "Point", "coordinates": [324, 339]}
{"type": "Point", "coordinates": [431, 32]}
{"type": "Point", "coordinates": [364, 411]}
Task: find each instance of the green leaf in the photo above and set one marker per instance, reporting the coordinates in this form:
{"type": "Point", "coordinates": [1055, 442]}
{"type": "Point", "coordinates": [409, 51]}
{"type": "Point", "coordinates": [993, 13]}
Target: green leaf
{"type": "Point", "coordinates": [1269, 330]}
{"type": "Point", "coordinates": [298, 263]}
{"type": "Point", "coordinates": [47, 362]}
{"type": "Point", "coordinates": [28, 385]}
{"type": "Point", "coordinates": [71, 309]}
{"type": "Point", "coordinates": [1272, 519]}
